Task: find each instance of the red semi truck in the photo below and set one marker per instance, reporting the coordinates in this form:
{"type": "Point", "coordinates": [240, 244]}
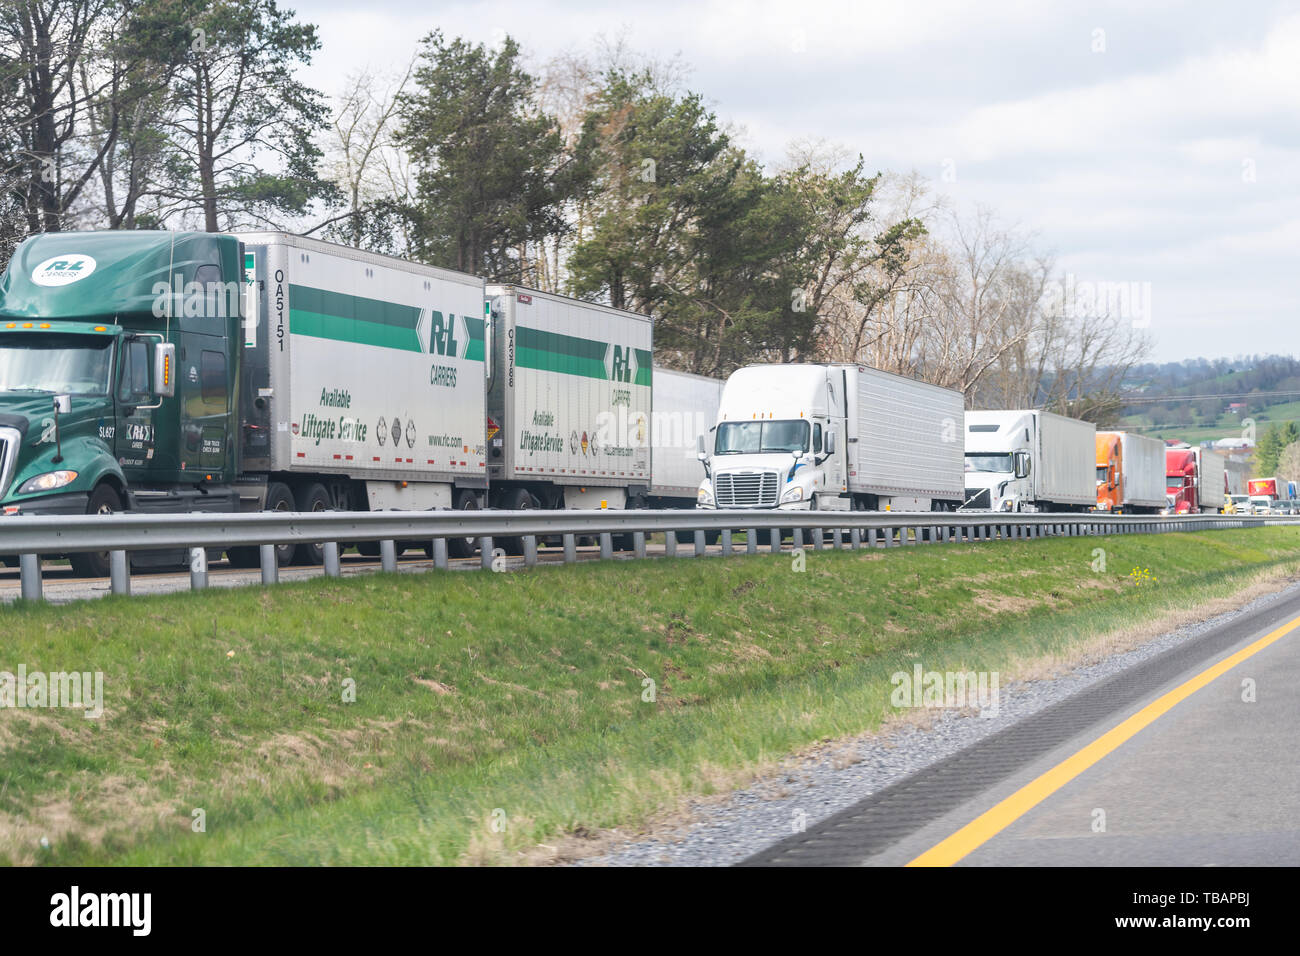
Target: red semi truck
{"type": "Point", "coordinates": [1194, 480]}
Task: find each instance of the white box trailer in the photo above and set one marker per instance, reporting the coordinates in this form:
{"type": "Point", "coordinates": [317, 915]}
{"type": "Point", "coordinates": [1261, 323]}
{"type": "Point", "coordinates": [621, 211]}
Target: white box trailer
{"type": "Point", "coordinates": [1141, 466]}
{"type": "Point", "coordinates": [1029, 460]}
{"type": "Point", "coordinates": [685, 409]}
{"type": "Point", "coordinates": [568, 402]}
{"type": "Point", "coordinates": [906, 438]}
{"type": "Point", "coordinates": [1211, 476]}
{"type": "Point", "coordinates": [363, 375]}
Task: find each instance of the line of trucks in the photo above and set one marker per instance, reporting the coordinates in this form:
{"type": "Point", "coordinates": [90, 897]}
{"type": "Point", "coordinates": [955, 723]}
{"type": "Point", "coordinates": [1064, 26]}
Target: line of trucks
{"type": "Point", "coordinates": [170, 372]}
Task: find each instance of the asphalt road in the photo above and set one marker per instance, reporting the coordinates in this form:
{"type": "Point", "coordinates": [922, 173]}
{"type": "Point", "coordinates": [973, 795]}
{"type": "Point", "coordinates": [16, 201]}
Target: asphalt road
{"type": "Point", "coordinates": [1168, 763]}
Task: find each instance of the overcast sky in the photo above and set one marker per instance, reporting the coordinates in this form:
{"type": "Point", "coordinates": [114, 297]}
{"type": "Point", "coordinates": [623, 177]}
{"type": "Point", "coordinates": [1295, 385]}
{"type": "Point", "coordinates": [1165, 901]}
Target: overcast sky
{"type": "Point", "coordinates": [1159, 145]}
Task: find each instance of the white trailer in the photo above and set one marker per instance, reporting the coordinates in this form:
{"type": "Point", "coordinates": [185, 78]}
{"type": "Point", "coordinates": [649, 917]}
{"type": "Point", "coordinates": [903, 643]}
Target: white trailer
{"type": "Point", "coordinates": [685, 409]}
{"type": "Point", "coordinates": [1135, 478]}
{"type": "Point", "coordinates": [1211, 478]}
{"type": "Point", "coordinates": [362, 381]}
{"type": "Point", "coordinates": [1029, 460]}
{"type": "Point", "coordinates": [568, 402]}
{"type": "Point", "coordinates": [834, 437]}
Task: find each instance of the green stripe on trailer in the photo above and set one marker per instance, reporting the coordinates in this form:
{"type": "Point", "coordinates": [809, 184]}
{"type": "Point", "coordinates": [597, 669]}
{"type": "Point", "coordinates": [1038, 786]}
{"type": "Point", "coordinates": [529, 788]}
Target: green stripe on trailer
{"type": "Point", "coordinates": [352, 318]}
{"type": "Point", "coordinates": [553, 352]}
{"type": "Point", "coordinates": [474, 350]}
{"type": "Point", "coordinates": [643, 366]}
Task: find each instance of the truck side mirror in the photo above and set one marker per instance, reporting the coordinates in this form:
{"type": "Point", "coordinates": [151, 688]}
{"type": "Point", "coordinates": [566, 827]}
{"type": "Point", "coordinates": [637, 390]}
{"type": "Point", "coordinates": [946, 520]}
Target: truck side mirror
{"type": "Point", "coordinates": [164, 370]}
{"type": "Point", "coordinates": [700, 453]}
{"type": "Point", "coordinates": [63, 404]}
{"type": "Point", "coordinates": [830, 441]}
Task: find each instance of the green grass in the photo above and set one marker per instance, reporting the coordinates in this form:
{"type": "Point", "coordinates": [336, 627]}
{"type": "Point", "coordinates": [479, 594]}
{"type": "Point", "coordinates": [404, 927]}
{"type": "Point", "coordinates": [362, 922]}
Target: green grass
{"type": "Point", "coordinates": [522, 693]}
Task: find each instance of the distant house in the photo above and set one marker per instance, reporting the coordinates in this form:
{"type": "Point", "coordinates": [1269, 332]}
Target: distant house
{"type": "Point", "coordinates": [1237, 407]}
{"type": "Point", "coordinates": [1238, 443]}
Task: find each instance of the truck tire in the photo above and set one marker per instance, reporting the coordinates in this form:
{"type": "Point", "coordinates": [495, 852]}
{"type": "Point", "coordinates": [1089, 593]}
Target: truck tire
{"type": "Point", "coordinates": [103, 501]}
{"type": "Point", "coordinates": [278, 498]}
{"type": "Point", "coordinates": [463, 547]}
{"type": "Point", "coordinates": [314, 498]}
{"type": "Point", "coordinates": [517, 500]}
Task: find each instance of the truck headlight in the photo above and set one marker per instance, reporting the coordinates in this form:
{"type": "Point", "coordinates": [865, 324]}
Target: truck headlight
{"type": "Point", "coordinates": [705, 495]}
{"type": "Point", "coordinates": [47, 482]}
{"type": "Point", "coordinates": [1006, 505]}
{"type": "Point", "coordinates": [792, 494]}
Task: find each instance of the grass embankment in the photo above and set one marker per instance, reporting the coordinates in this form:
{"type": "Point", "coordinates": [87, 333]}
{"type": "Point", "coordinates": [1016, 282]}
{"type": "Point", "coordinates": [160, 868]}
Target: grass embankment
{"type": "Point", "coordinates": [496, 712]}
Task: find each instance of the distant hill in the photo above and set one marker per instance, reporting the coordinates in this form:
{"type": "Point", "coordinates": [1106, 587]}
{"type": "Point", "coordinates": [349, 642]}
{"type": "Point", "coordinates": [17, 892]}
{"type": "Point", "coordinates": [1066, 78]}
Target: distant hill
{"type": "Point", "coordinates": [1209, 399]}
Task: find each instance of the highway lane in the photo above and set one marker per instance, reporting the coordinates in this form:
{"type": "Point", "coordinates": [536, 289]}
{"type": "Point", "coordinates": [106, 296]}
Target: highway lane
{"type": "Point", "coordinates": [1166, 763]}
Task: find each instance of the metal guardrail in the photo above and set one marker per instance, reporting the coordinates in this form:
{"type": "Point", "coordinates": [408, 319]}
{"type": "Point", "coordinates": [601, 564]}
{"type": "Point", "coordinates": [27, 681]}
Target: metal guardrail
{"type": "Point", "coordinates": [30, 536]}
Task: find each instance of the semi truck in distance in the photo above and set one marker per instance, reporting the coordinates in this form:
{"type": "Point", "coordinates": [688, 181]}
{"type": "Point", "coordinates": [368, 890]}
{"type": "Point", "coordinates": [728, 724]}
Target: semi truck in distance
{"type": "Point", "coordinates": [1130, 473]}
{"type": "Point", "coordinates": [1195, 480]}
{"type": "Point", "coordinates": [833, 437]}
{"type": "Point", "coordinates": [1029, 460]}
{"type": "Point", "coordinates": [1264, 492]}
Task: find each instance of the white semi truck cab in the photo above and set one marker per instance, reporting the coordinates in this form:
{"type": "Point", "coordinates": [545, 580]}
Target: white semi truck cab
{"type": "Point", "coordinates": [833, 438]}
{"type": "Point", "coordinates": [1028, 460]}
{"type": "Point", "coordinates": [777, 442]}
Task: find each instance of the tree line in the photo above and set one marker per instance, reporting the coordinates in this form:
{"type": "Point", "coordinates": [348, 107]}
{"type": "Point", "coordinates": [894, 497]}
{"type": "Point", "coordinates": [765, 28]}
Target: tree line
{"type": "Point", "coordinates": [598, 174]}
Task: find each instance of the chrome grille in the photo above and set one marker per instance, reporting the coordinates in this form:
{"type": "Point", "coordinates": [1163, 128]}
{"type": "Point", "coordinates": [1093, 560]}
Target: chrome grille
{"type": "Point", "coordinates": [746, 489]}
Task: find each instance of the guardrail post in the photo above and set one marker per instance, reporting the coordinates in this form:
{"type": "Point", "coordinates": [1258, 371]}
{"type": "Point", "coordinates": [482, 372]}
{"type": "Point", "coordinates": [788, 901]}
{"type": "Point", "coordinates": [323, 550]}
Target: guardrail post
{"type": "Point", "coordinates": [751, 541]}
{"type": "Point", "coordinates": [440, 553]}
{"type": "Point", "coordinates": [530, 550]}
{"type": "Point", "coordinates": [119, 573]}
{"type": "Point", "coordinates": [638, 543]}
{"type": "Point", "coordinates": [606, 545]}
{"type": "Point", "coordinates": [570, 549]}
{"type": "Point", "coordinates": [332, 569]}
{"type": "Point", "coordinates": [819, 538]}
{"type": "Point", "coordinates": [855, 538]}
{"type": "Point", "coordinates": [30, 568]}
{"type": "Point", "coordinates": [871, 538]}
{"type": "Point", "coordinates": [699, 544]}
{"type": "Point", "coordinates": [270, 566]}
{"type": "Point", "coordinates": [198, 569]}
{"type": "Point", "coordinates": [798, 538]}
{"type": "Point", "coordinates": [837, 538]}
{"type": "Point", "coordinates": [670, 543]}
{"type": "Point", "coordinates": [774, 541]}
{"type": "Point", "coordinates": [726, 542]}
{"type": "Point", "coordinates": [485, 555]}
{"type": "Point", "coordinates": [388, 556]}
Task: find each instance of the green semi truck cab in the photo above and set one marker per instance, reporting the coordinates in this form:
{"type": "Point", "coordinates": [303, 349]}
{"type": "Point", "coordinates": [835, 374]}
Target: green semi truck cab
{"type": "Point", "coordinates": [119, 373]}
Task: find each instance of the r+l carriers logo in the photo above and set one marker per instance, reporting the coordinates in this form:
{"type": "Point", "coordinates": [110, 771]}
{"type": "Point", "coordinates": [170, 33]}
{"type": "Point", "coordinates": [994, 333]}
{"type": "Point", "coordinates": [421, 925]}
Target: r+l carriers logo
{"type": "Point", "coordinates": [63, 270]}
{"type": "Point", "coordinates": [620, 365]}
{"type": "Point", "coordinates": [444, 335]}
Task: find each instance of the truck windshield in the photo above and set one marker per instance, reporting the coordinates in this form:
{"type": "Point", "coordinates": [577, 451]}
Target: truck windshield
{"type": "Point", "coordinates": [1174, 483]}
{"type": "Point", "coordinates": [75, 364]}
{"type": "Point", "coordinates": [994, 463]}
{"type": "Point", "coordinates": [1103, 472]}
{"type": "Point", "coordinates": [754, 438]}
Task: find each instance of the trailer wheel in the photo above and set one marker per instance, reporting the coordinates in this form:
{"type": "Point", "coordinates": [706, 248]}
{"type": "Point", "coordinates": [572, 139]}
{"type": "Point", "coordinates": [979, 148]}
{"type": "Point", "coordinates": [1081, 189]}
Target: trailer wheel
{"type": "Point", "coordinates": [314, 499]}
{"type": "Point", "coordinates": [462, 547]}
{"type": "Point", "coordinates": [103, 501]}
{"type": "Point", "coordinates": [278, 498]}
{"type": "Point", "coordinates": [517, 500]}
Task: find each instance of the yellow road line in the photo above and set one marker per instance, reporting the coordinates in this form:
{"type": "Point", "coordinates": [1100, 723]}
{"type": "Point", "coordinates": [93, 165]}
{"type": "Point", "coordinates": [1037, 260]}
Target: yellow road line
{"type": "Point", "coordinates": [992, 822]}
